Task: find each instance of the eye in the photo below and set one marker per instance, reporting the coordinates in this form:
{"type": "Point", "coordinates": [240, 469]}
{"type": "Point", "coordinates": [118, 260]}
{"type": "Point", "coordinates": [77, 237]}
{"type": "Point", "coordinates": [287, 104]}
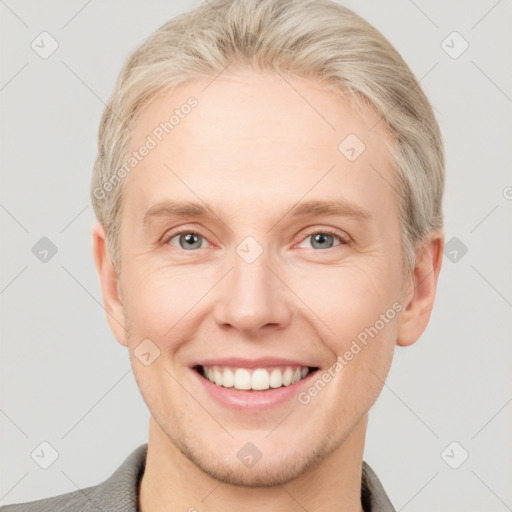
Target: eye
{"type": "Point", "coordinates": [186, 240]}
{"type": "Point", "coordinates": [323, 239]}
{"type": "Point", "coordinates": [190, 239]}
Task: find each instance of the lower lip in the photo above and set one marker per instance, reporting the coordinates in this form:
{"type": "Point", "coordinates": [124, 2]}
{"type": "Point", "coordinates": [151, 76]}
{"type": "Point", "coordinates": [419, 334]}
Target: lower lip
{"type": "Point", "coordinates": [252, 400]}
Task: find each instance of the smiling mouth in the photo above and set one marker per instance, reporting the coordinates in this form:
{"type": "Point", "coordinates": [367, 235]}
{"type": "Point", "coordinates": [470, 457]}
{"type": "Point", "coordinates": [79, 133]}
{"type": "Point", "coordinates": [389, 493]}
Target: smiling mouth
{"type": "Point", "coordinates": [254, 379]}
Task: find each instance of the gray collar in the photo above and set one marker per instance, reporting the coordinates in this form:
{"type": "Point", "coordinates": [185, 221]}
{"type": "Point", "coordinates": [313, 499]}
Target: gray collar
{"type": "Point", "coordinates": [373, 495]}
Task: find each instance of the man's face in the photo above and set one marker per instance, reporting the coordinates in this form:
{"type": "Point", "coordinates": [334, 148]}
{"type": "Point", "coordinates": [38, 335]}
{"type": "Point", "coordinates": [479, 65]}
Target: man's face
{"type": "Point", "coordinates": [257, 282]}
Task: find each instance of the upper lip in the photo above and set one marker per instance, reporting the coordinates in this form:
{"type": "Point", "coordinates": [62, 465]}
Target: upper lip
{"type": "Point", "coordinates": [240, 362]}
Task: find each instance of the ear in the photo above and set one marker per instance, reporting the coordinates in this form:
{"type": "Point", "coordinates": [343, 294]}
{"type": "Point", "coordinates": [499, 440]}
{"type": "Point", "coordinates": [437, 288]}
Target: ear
{"type": "Point", "coordinates": [109, 281]}
{"type": "Point", "coordinates": [420, 290]}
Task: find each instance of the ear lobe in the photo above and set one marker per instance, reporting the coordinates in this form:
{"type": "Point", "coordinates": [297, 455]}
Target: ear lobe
{"type": "Point", "coordinates": [422, 290]}
{"type": "Point", "coordinates": [109, 281]}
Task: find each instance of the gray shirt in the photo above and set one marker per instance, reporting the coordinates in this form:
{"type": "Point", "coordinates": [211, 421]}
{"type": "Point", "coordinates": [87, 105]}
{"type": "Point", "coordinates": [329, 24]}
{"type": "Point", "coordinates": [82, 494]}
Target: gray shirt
{"type": "Point", "coordinates": [119, 493]}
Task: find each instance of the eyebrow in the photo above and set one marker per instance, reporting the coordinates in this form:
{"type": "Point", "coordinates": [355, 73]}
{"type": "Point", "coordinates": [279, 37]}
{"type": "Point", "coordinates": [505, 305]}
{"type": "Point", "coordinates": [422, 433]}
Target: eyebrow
{"type": "Point", "coordinates": [190, 209]}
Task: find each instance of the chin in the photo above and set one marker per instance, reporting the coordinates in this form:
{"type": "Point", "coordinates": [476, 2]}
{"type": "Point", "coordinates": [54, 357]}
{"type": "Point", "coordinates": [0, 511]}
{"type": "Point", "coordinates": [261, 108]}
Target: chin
{"type": "Point", "coordinates": [267, 472]}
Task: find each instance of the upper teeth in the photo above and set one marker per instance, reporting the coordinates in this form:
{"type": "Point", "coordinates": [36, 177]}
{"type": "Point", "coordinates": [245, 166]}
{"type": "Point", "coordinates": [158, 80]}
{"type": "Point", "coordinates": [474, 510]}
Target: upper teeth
{"type": "Point", "coordinates": [257, 378]}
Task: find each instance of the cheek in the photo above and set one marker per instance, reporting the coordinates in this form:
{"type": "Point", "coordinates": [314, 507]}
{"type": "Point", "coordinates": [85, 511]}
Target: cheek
{"type": "Point", "coordinates": [158, 300]}
{"type": "Point", "coordinates": [354, 311]}
{"type": "Point", "coordinates": [346, 300]}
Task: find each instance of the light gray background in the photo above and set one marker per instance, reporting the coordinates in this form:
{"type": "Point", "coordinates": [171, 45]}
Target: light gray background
{"type": "Point", "coordinates": [65, 379]}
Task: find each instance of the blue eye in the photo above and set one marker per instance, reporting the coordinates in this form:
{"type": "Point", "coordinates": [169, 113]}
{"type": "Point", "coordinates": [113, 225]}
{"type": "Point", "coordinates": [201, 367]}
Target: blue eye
{"type": "Point", "coordinates": [187, 240]}
{"type": "Point", "coordinates": [324, 239]}
{"type": "Point", "coordinates": [190, 239]}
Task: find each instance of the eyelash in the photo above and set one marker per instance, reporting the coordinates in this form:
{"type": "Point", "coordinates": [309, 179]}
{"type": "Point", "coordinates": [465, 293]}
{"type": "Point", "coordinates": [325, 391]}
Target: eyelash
{"type": "Point", "coordinates": [326, 231]}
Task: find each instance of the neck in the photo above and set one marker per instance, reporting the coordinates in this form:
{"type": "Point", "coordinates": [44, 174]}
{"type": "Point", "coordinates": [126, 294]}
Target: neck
{"type": "Point", "coordinates": [171, 482]}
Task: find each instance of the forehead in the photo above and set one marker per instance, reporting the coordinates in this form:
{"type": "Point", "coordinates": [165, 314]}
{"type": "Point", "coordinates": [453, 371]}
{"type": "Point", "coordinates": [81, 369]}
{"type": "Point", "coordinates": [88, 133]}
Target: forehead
{"type": "Point", "coordinates": [252, 135]}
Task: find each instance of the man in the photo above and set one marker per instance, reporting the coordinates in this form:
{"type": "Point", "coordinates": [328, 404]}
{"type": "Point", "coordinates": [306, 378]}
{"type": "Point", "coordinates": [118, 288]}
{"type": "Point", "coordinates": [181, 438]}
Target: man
{"type": "Point", "coordinates": [269, 199]}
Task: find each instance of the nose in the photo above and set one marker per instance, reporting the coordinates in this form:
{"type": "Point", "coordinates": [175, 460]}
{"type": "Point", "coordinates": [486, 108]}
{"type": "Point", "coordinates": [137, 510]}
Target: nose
{"type": "Point", "coordinates": [253, 297]}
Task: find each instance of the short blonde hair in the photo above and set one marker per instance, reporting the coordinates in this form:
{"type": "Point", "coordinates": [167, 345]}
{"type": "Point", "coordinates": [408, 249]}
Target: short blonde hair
{"type": "Point", "coordinates": [318, 39]}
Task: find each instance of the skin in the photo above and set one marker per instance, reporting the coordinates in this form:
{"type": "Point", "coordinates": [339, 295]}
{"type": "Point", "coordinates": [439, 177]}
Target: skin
{"type": "Point", "coordinates": [253, 148]}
